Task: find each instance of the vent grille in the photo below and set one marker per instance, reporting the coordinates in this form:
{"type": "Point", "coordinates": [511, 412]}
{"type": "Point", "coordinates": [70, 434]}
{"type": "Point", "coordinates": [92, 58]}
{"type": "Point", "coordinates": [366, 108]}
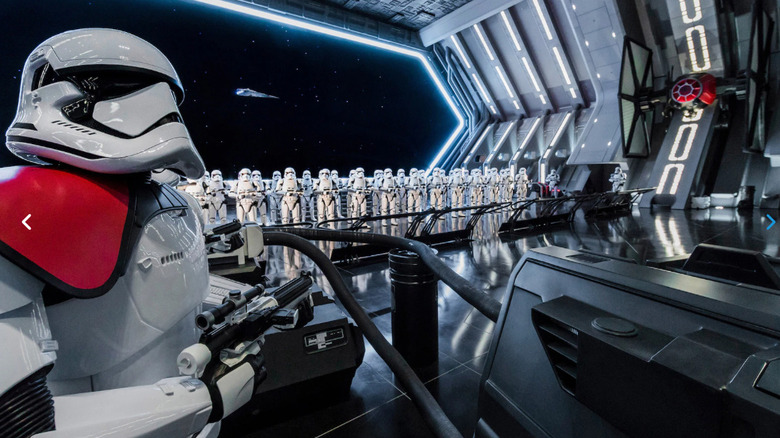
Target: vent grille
{"type": "Point", "coordinates": [27, 408]}
{"type": "Point", "coordinates": [75, 127]}
{"type": "Point", "coordinates": [560, 342]}
{"type": "Point", "coordinates": [173, 257]}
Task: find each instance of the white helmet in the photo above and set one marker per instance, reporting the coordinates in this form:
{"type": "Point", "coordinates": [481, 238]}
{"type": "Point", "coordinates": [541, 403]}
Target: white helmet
{"type": "Point", "coordinates": [289, 173]}
{"type": "Point", "coordinates": [105, 101]}
{"type": "Point", "coordinates": [352, 173]}
{"type": "Point", "coordinates": [216, 175]}
{"type": "Point", "coordinates": [522, 171]}
{"type": "Point", "coordinates": [307, 174]}
{"type": "Point", "coordinates": [334, 174]}
{"type": "Point", "coordinates": [244, 174]}
{"type": "Point", "coordinates": [475, 172]}
{"type": "Point", "coordinates": [401, 172]}
{"type": "Point", "coordinates": [388, 172]}
{"type": "Point", "coordinates": [359, 172]}
{"type": "Point", "coordinates": [324, 174]}
{"type": "Point", "coordinates": [413, 172]}
{"type": "Point", "coordinates": [618, 170]}
{"type": "Point", "coordinates": [276, 175]}
{"type": "Point", "coordinates": [257, 176]}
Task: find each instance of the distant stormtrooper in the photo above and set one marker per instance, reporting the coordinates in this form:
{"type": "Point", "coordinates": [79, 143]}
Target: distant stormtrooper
{"type": "Point", "coordinates": [307, 198]}
{"type": "Point", "coordinates": [400, 182]}
{"type": "Point", "coordinates": [198, 189]}
{"type": "Point", "coordinates": [415, 185]}
{"type": "Point", "coordinates": [436, 189]}
{"type": "Point", "coordinates": [261, 206]}
{"type": "Point", "coordinates": [359, 192]}
{"type": "Point", "coordinates": [218, 191]}
{"type": "Point", "coordinates": [334, 176]}
{"type": "Point", "coordinates": [274, 198]}
{"type": "Point", "coordinates": [376, 185]}
{"type": "Point", "coordinates": [493, 184]}
{"type": "Point", "coordinates": [521, 183]}
{"type": "Point", "coordinates": [618, 179]}
{"type": "Point", "coordinates": [245, 194]}
{"type": "Point", "coordinates": [552, 180]}
{"type": "Point", "coordinates": [291, 196]}
{"type": "Point", "coordinates": [326, 190]}
{"type": "Point", "coordinates": [457, 185]}
{"type": "Point", "coordinates": [477, 184]}
{"type": "Point", "coordinates": [507, 184]}
{"type": "Point", "coordinates": [350, 184]}
{"type": "Point", "coordinates": [388, 195]}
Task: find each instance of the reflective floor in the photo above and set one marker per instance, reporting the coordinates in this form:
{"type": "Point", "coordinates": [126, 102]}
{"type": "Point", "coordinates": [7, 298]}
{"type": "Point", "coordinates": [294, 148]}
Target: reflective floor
{"type": "Point", "coordinates": [377, 407]}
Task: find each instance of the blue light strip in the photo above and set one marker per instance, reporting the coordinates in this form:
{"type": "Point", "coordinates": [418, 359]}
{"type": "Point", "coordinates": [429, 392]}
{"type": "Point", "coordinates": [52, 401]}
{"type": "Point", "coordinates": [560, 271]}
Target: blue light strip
{"type": "Point", "coordinates": [254, 11]}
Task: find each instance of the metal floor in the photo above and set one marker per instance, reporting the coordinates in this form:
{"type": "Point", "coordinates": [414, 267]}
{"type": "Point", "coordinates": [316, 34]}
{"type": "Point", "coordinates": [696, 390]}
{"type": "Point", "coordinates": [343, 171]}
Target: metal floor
{"type": "Point", "coordinates": [377, 407]}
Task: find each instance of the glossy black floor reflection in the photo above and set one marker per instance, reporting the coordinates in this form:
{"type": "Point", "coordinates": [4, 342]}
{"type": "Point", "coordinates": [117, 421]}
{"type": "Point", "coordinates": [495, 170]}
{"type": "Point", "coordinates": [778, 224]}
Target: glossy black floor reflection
{"type": "Point", "coordinates": [377, 407]}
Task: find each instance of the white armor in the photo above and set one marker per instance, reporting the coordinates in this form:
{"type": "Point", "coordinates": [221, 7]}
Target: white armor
{"type": "Point", "coordinates": [436, 189]}
{"type": "Point", "coordinates": [326, 196]}
{"type": "Point", "coordinates": [492, 184]}
{"type": "Point", "coordinates": [400, 182]}
{"type": "Point", "coordinates": [388, 194]}
{"type": "Point", "coordinates": [552, 180]}
{"type": "Point", "coordinates": [507, 185]}
{"type": "Point", "coordinates": [415, 185]}
{"type": "Point", "coordinates": [114, 339]}
{"type": "Point", "coordinates": [522, 184]}
{"type": "Point", "coordinates": [261, 206]}
{"type": "Point", "coordinates": [458, 190]}
{"type": "Point", "coordinates": [307, 197]}
{"type": "Point", "coordinates": [376, 186]}
{"type": "Point", "coordinates": [618, 179]}
{"type": "Point", "coordinates": [217, 191]}
{"type": "Point", "coordinates": [198, 189]}
{"type": "Point", "coordinates": [274, 198]}
{"type": "Point", "coordinates": [291, 196]}
{"type": "Point", "coordinates": [477, 184]}
{"type": "Point", "coordinates": [334, 176]}
{"type": "Point", "coordinates": [359, 192]}
{"type": "Point", "coordinates": [245, 194]}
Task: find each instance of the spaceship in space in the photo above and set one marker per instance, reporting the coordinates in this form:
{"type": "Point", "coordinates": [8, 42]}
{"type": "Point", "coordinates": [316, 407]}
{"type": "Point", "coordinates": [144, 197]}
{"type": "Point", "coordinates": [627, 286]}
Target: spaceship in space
{"type": "Point", "coordinates": [248, 92]}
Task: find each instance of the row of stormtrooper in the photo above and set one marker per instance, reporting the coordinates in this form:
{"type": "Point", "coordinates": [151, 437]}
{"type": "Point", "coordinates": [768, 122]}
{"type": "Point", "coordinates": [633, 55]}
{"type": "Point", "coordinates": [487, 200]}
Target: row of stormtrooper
{"type": "Point", "coordinates": [287, 198]}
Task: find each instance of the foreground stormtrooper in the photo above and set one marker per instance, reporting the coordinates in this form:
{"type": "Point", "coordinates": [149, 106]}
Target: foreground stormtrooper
{"type": "Point", "coordinates": [359, 194]}
{"type": "Point", "coordinates": [245, 194]}
{"type": "Point", "coordinates": [388, 194]}
{"type": "Point", "coordinates": [618, 179]}
{"type": "Point", "coordinates": [477, 184]}
{"type": "Point", "coordinates": [493, 184]}
{"type": "Point", "coordinates": [415, 185]}
{"type": "Point", "coordinates": [307, 196]}
{"type": "Point", "coordinates": [436, 189]}
{"type": "Point", "coordinates": [291, 196]}
{"type": "Point", "coordinates": [522, 184]}
{"type": "Point", "coordinates": [97, 315]}
{"type": "Point", "coordinates": [326, 192]}
{"type": "Point", "coordinates": [334, 176]}
{"type": "Point", "coordinates": [458, 189]}
{"type": "Point", "coordinates": [261, 206]}
{"type": "Point", "coordinates": [217, 192]}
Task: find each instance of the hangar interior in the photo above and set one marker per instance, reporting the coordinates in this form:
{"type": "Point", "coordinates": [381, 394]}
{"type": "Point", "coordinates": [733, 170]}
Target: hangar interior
{"type": "Point", "coordinates": [647, 309]}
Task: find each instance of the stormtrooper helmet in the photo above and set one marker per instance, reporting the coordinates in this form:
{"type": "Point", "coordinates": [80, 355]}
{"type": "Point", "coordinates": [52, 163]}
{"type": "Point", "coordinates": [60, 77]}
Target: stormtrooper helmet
{"type": "Point", "coordinates": [618, 170]}
{"type": "Point", "coordinates": [359, 173]}
{"type": "Point", "coordinates": [307, 174]}
{"type": "Point", "coordinates": [324, 174]}
{"type": "Point", "coordinates": [388, 172]}
{"type": "Point", "coordinates": [522, 171]}
{"type": "Point", "coordinates": [412, 171]}
{"type": "Point", "coordinates": [257, 176]}
{"type": "Point", "coordinates": [276, 175]}
{"type": "Point", "coordinates": [105, 101]}
{"type": "Point", "coordinates": [216, 175]}
{"type": "Point", "coordinates": [401, 173]}
{"type": "Point", "coordinates": [244, 174]}
{"type": "Point", "coordinates": [289, 173]}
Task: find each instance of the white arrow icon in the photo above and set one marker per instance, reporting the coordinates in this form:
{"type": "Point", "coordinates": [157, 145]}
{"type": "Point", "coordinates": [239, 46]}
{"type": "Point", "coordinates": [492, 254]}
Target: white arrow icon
{"type": "Point", "coordinates": [24, 222]}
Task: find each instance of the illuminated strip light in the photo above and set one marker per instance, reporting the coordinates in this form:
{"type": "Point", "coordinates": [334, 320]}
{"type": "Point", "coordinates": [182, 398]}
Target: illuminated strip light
{"type": "Point", "coordinates": [677, 177]}
{"type": "Point", "coordinates": [527, 138]}
{"type": "Point", "coordinates": [493, 109]}
{"type": "Point", "coordinates": [573, 93]}
{"type": "Point", "coordinates": [476, 145]}
{"type": "Point", "coordinates": [547, 153]}
{"type": "Point", "coordinates": [517, 105]}
{"type": "Point", "coordinates": [542, 171]}
{"type": "Point", "coordinates": [258, 13]}
{"type": "Point", "coordinates": [531, 74]}
{"type": "Point", "coordinates": [506, 84]}
{"type": "Point", "coordinates": [541, 17]}
{"type": "Point", "coordinates": [501, 141]}
{"type": "Point", "coordinates": [544, 101]}
{"type": "Point", "coordinates": [484, 42]}
{"type": "Point", "coordinates": [560, 130]}
{"type": "Point", "coordinates": [688, 142]}
{"type": "Point", "coordinates": [560, 64]}
{"type": "Point", "coordinates": [696, 11]}
{"type": "Point", "coordinates": [460, 51]}
{"type": "Point", "coordinates": [705, 51]}
{"type": "Point", "coordinates": [511, 32]}
{"type": "Point", "coordinates": [481, 90]}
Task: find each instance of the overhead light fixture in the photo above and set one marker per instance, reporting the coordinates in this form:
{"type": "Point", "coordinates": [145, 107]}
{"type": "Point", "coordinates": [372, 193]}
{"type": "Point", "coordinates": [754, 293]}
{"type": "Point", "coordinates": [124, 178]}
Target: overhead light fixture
{"type": "Point", "coordinates": [517, 105]}
{"type": "Point", "coordinates": [493, 109]}
{"type": "Point", "coordinates": [527, 139]}
{"type": "Point", "coordinates": [500, 142]}
{"type": "Point", "coordinates": [560, 130]}
{"type": "Point", "coordinates": [511, 31]}
{"type": "Point", "coordinates": [506, 84]}
{"type": "Point", "coordinates": [254, 11]}
{"type": "Point", "coordinates": [544, 21]}
{"type": "Point", "coordinates": [460, 51]}
{"type": "Point", "coordinates": [544, 101]}
{"type": "Point", "coordinates": [481, 89]}
{"type": "Point", "coordinates": [476, 145]}
{"type": "Point", "coordinates": [531, 74]}
{"type": "Point", "coordinates": [484, 42]}
{"type": "Point", "coordinates": [573, 93]}
{"type": "Point", "coordinates": [560, 64]}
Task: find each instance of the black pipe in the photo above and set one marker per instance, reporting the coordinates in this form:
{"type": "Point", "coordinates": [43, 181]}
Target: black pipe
{"type": "Point", "coordinates": [430, 410]}
{"type": "Point", "coordinates": [481, 301]}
